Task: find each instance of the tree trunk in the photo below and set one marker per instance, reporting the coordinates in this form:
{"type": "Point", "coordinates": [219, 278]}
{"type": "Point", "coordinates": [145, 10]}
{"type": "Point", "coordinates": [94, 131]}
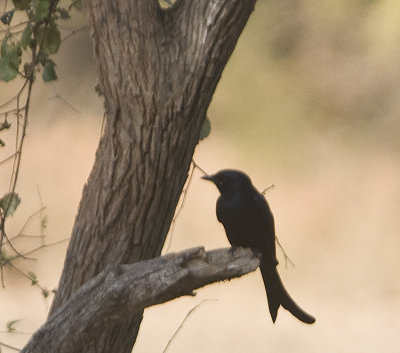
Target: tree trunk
{"type": "Point", "coordinates": [158, 69]}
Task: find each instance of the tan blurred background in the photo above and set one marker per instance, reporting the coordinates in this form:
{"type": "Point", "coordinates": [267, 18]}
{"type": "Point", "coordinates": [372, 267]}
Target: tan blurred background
{"type": "Point", "coordinates": [309, 102]}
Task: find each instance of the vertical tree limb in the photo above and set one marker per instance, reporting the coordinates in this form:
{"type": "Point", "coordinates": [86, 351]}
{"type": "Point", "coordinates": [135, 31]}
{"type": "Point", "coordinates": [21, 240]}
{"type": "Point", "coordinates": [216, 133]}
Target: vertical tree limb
{"type": "Point", "coordinates": [158, 70]}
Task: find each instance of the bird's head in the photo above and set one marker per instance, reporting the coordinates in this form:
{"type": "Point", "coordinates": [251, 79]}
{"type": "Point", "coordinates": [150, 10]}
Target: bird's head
{"type": "Point", "coordinates": [229, 181]}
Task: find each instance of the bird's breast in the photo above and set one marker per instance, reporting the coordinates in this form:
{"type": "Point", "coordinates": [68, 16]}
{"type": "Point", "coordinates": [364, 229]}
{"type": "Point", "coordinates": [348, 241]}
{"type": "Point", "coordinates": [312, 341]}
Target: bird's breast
{"type": "Point", "coordinates": [242, 222]}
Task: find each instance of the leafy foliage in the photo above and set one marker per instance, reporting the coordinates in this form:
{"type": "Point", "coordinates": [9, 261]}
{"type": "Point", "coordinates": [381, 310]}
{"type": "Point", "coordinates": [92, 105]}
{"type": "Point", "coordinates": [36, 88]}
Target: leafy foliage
{"type": "Point", "coordinates": [29, 37]}
{"type": "Point", "coordinates": [42, 8]}
{"type": "Point", "coordinates": [9, 60]}
{"type": "Point", "coordinates": [26, 36]}
{"type": "Point", "coordinates": [49, 71]}
{"type": "Point", "coordinates": [40, 38]}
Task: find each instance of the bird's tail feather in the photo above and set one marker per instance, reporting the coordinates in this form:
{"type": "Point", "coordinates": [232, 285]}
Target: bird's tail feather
{"type": "Point", "coordinates": [277, 295]}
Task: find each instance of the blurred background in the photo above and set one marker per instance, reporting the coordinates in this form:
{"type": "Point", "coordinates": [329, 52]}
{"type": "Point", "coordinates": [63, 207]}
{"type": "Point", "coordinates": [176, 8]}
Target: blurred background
{"type": "Point", "coordinates": [309, 102]}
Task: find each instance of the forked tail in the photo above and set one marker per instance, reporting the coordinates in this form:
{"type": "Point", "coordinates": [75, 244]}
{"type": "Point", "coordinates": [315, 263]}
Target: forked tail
{"type": "Point", "coordinates": [277, 295]}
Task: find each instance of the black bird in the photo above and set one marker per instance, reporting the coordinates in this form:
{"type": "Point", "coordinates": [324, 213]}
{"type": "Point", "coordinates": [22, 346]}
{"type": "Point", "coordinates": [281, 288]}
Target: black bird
{"type": "Point", "coordinates": [249, 223]}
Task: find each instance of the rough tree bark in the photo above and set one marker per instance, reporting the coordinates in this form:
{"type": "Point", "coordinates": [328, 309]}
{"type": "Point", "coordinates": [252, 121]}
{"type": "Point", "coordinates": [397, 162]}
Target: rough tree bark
{"type": "Point", "coordinates": [158, 69]}
{"type": "Point", "coordinates": [122, 290]}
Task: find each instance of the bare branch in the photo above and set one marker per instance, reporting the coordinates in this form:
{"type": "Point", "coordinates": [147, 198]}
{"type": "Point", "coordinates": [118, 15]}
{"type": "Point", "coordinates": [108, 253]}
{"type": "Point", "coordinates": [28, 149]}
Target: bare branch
{"type": "Point", "coordinates": [122, 290]}
{"type": "Point", "coordinates": [2, 344]}
{"type": "Point", "coordinates": [286, 256]}
{"type": "Point", "coordinates": [268, 189]}
{"type": "Point", "coordinates": [57, 96]}
{"type": "Point", "coordinates": [72, 33]}
{"type": "Point", "coordinates": [198, 167]}
{"type": "Point", "coordinates": [46, 245]}
{"type": "Point", "coordinates": [180, 207]}
{"type": "Point", "coordinates": [8, 158]}
{"type": "Point", "coordinates": [28, 220]}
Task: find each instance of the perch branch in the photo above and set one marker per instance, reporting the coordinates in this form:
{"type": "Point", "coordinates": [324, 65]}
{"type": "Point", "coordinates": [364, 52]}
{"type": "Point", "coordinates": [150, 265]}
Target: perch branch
{"type": "Point", "coordinates": [122, 290]}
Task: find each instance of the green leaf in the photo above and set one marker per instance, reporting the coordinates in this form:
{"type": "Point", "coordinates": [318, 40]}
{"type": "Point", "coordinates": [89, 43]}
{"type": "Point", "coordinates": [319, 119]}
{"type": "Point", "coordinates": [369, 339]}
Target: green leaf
{"type": "Point", "coordinates": [2, 143]}
{"type": "Point", "coordinates": [43, 57]}
{"type": "Point", "coordinates": [26, 36]}
{"type": "Point", "coordinates": [42, 9]}
{"type": "Point", "coordinates": [205, 128]}
{"type": "Point", "coordinates": [9, 203]}
{"type": "Point", "coordinates": [21, 4]}
{"type": "Point", "coordinates": [7, 17]}
{"type": "Point", "coordinates": [49, 71]}
{"type": "Point", "coordinates": [10, 325]}
{"type": "Point", "coordinates": [52, 40]}
{"type": "Point", "coordinates": [9, 61]}
{"type": "Point", "coordinates": [33, 278]}
{"type": "Point", "coordinates": [45, 292]}
{"type": "Point", "coordinates": [7, 73]}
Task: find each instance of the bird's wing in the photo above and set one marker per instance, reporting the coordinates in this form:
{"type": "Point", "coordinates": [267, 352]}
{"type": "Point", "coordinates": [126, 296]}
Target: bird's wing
{"type": "Point", "coordinates": [264, 212]}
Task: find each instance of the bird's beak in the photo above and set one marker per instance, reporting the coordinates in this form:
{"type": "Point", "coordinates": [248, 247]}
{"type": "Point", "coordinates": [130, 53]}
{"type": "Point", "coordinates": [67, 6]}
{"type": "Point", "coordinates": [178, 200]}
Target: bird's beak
{"type": "Point", "coordinates": [208, 177]}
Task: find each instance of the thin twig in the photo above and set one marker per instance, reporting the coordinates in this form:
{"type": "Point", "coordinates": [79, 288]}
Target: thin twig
{"type": "Point", "coordinates": [26, 236]}
{"type": "Point", "coordinates": [184, 193]}
{"type": "Point", "coordinates": [197, 166]}
{"type": "Point", "coordinates": [75, 31]}
{"type": "Point", "coordinates": [28, 220]}
{"type": "Point", "coordinates": [9, 28]}
{"type": "Point", "coordinates": [23, 134]}
{"type": "Point", "coordinates": [287, 258]}
{"type": "Point", "coordinates": [267, 189]}
{"type": "Point", "coordinates": [190, 312]}
{"type": "Point", "coordinates": [14, 110]}
{"type": "Point", "coordinates": [17, 159]}
{"type": "Point", "coordinates": [17, 332]}
{"type": "Point", "coordinates": [10, 347]}
{"type": "Point", "coordinates": [8, 158]}
{"type": "Point", "coordinates": [46, 245]}
{"type": "Point", "coordinates": [19, 254]}
{"type": "Point", "coordinates": [57, 96]}
{"type": "Point", "coordinates": [22, 273]}
{"type": "Point", "coordinates": [41, 215]}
